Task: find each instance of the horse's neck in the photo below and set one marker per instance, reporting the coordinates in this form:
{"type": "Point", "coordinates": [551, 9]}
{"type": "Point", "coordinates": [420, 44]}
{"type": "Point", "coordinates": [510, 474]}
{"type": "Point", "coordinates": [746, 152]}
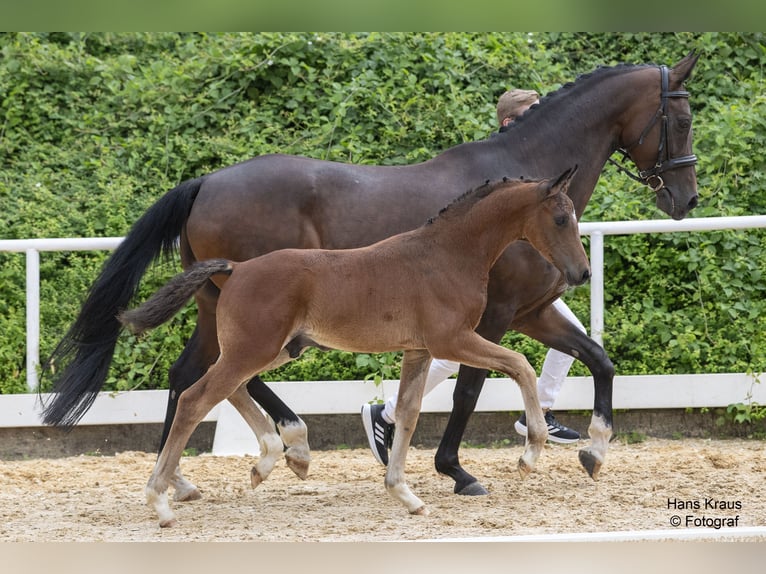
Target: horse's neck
{"type": "Point", "coordinates": [580, 126]}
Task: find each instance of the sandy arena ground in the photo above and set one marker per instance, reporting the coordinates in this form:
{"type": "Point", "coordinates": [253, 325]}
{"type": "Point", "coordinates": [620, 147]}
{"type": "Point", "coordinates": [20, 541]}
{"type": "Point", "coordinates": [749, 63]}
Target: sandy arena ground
{"type": "Point", "coordinates": [91, 498]}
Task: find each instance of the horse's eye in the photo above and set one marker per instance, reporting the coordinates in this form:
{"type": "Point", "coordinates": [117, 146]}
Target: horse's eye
{"type": "Point", "coordinates": [561, 220]}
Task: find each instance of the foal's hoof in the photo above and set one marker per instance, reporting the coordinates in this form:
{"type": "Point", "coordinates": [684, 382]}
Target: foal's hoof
{"type": "Point", "coordinates": [255, 477]}
{"type": "Point", "coordinates": [524, 468]}
{"type": "Point", "coordinates": [421, 511]}
{"type": "Point", "coordinates": [299, 466]}
{"type": "Point", "coordinates": [472, 489]}
{"type": "Point", "coordinates": [590, 463]}
{"type": "Point", "coordinates": [187, 496]}
{"type": "Point", "coordinates": [168, 523]}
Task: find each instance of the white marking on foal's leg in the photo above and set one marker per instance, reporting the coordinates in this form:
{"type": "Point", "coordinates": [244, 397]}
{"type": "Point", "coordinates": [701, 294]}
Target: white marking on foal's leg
{"type": "Point", "coordinates": [592, 458]}
{"type": "Point", "coordinates": [537, 429]}
{"type": "Point", "coordinates": [403, 494]}
{"type": "Point", "coordinates": [185, 490]}
{"type": "Point", "coordinates": [295, 437]}
{"type": "Point", "coordinates": [271, 449]}
{"type": "Point", "coordinates": [159, 501]}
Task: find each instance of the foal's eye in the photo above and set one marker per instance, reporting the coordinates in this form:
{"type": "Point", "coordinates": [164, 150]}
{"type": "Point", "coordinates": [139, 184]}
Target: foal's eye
{"type": "Point", "coordinates": [561, 220]}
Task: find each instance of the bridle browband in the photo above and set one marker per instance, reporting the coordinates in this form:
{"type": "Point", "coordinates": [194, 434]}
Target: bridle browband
{"type": "Point", "coordinates": [651, 176]}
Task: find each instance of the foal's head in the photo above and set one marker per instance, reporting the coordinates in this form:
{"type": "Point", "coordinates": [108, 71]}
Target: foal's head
{"type": "Point", "coordinates": [552, 229]}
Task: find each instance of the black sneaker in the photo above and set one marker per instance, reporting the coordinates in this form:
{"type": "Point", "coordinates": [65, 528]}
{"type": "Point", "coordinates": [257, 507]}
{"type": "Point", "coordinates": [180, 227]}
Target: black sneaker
{"type": "Point", "coordinates": [556, 431]}
{"type": "Point", "coordinates": [380, 434]}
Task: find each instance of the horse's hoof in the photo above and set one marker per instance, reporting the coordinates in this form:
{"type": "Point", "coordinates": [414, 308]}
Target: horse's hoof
{"type": "Point", "coordinates": [590, 463]}
{"type": "Point", "coordinates": [188, 496]}
{"type": "Point", "coordinates": [299, 466]}
{"type": "Point", "coordinates": [421, 511]}
{"type": "Point", "coordinates": [255, 477]}
{"type": "Point", "coordinates": [168, 523]}
{"type": "Point", "coordinates": [524, 468]}
{"type": "Point", "coordinates": [472, 489]}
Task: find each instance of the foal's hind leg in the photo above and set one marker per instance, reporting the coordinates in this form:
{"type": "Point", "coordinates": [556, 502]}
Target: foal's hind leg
{"type": "Point", "coordinates": [188, 368]}
{"type": "Point", "coordinates": [291, 427]}
{"type": "Point", "coordinates": [270, 443]}
{"type": "Point", "coordinates": [217, 384]}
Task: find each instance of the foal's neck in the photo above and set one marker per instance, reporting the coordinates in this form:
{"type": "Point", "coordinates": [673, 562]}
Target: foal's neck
{"type": "Point", "coordinates": [484, 229]}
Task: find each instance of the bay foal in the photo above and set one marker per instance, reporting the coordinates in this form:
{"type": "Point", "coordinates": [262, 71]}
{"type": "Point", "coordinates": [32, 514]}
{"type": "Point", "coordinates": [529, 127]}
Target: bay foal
{"type": "Point", "coordinates": [422, 292]}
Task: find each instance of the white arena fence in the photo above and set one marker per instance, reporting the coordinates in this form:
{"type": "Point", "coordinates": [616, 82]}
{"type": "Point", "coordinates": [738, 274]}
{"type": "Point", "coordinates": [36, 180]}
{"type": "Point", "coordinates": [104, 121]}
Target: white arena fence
{"type": "Point", "coordinates": [630, 392]}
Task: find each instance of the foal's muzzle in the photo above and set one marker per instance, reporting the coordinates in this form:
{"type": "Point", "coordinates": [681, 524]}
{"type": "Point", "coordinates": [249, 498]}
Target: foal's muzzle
{"type": "Point", "coordinates": [575, 279]}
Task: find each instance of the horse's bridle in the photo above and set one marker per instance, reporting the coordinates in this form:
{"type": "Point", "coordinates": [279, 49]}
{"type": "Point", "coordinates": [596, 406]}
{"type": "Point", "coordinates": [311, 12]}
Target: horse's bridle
{"type": "Point", "coordinates": [651, 176]}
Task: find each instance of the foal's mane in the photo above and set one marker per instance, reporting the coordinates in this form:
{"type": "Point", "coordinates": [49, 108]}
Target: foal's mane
{"type": "Point", "coordinates": [465, 202]}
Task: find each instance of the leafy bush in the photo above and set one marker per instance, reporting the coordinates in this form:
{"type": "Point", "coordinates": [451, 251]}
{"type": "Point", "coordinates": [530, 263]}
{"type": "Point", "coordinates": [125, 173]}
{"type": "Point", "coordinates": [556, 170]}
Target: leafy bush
{"type": "Point", "coordinates": [95, 127]}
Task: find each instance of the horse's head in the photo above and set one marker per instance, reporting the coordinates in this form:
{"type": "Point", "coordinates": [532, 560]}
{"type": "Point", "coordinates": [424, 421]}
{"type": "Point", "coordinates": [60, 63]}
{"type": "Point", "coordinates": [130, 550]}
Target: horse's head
{"type": "Point", "coordinates": [658, 138]}
{"type": "Point", "coordinates": [553, 230]}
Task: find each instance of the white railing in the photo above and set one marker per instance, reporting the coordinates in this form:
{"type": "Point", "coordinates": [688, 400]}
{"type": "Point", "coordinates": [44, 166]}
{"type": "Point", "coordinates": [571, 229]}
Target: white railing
{"type": "Point", "coordinates": [596, 231]}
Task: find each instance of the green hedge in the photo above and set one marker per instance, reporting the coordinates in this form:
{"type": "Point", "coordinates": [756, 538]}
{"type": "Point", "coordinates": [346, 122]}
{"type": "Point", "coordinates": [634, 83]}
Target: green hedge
{"type": "Point", "coordinates": [95, 127]}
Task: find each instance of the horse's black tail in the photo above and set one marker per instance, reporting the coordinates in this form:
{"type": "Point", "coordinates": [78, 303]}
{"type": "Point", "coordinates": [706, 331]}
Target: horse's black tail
{"type": "Point", "coordinates": [80, 362]}
{"type": "Point", "coordinates": [172, 296]}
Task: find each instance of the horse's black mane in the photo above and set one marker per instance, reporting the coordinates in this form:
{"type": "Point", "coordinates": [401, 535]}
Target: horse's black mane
{"type": "Point", "coordinates": [599, 74]}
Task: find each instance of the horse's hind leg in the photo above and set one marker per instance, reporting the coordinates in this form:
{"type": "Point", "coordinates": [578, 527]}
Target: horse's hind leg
{"type": "Point", "coordinates": [413, 379]}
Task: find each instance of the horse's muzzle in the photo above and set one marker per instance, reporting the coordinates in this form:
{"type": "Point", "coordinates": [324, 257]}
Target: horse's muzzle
{"type": "Point", "coordinates": [670, 204]}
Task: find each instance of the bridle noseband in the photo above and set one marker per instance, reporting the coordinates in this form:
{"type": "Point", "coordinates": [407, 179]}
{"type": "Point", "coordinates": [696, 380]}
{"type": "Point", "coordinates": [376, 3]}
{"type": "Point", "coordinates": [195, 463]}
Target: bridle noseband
{"type": "Point", "coordinates": [651, 176]}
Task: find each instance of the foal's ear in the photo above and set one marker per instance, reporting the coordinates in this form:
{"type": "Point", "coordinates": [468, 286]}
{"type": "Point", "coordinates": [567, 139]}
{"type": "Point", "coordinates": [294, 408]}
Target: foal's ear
{"type": "Point", "coordinates": [561, 183]}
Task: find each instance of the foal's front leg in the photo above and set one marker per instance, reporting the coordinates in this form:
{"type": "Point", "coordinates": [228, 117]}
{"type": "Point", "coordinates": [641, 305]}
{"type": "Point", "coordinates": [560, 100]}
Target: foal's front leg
{"type": "Point", "coordinates": [470, 348]}
{"type": "Point", "coordinates": [554, 330]}
{"type": "Point", "coordinates": [413, 380]}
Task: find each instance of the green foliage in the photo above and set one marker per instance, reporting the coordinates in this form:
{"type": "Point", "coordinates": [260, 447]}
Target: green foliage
{"type": "Point", "coordinates": [94, 127]}
{"type": "Point", "coordinates": [749, 411]}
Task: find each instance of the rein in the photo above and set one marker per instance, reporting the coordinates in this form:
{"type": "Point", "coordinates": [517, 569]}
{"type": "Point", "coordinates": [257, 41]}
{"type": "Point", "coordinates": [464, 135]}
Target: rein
{"type": "Point", "coordinates": [651, 177]}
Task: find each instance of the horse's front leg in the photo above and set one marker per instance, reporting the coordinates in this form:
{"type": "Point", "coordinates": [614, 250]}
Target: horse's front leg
{"type": "Point", "coordinates": [414, 371]}
{"type": "Point", "coordinates": [554, 330]}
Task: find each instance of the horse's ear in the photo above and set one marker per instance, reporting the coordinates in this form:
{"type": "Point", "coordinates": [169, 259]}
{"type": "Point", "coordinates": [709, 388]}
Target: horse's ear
{"type": "Point", "coordinates": [561, 183]}
{"type": "Point", "coordinates": [682, 71]}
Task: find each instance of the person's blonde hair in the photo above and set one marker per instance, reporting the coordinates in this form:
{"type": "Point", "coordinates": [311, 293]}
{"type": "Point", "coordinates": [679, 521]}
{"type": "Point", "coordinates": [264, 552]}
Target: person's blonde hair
{"type": "Point", "coordinates": [512, 101]}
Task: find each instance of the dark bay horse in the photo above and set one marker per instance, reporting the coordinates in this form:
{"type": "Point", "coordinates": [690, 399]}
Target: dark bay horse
{"type": "Point", "coordinates": [277, 201]}
{"type": "Point", "coordinates": [422, 292]}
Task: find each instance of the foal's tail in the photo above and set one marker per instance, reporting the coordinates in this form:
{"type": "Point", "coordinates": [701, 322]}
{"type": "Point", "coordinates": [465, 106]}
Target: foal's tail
{"type": "Point", "coordinates": [172, 296]}
{"type": "Point", "coordinates": [80, 362]}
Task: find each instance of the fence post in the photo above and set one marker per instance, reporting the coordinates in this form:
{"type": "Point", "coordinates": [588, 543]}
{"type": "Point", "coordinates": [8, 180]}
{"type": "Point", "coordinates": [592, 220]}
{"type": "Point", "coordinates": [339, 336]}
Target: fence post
{"type": "Point", "coordinates": [597, 286]}
{"type": "Point", "coordinates": [33, 317]}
